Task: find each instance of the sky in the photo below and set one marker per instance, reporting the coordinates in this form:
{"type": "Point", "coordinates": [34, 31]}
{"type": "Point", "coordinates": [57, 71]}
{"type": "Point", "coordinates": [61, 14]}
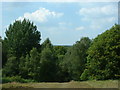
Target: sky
{"type": "Point", "coordinates": [63, 23]}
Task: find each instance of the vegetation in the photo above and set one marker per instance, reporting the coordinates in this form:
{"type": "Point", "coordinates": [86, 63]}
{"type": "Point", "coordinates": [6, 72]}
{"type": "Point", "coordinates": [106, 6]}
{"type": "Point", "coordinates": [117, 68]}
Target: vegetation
{"type": "Point", "coordinates": [16, 79]}
{"type": "Point", "coordinates": [93, 85]}
{"type": "Point", "coordinates": [103, 56]}
{"type": "Point", "coordinates": [75, 59]}
{"type": "Point", "coordinates": [26, 60]}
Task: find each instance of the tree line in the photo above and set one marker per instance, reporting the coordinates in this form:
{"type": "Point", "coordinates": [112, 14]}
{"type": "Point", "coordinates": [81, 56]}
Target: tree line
{"type": "Point", "coordinates": [24, 56]}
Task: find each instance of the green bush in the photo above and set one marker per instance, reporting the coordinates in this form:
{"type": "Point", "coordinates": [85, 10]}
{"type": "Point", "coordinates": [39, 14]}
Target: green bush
{"type": "Point", "coordinates": [6, 80]}
{"type": "Point", "coordinates": [16, 79]}
{"type": "Point", "coordinates": [84, 75]}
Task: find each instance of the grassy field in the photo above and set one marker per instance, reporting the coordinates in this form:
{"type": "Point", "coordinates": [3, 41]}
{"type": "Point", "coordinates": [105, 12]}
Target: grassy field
{"type": "Point", "coordinates": [72, 84]}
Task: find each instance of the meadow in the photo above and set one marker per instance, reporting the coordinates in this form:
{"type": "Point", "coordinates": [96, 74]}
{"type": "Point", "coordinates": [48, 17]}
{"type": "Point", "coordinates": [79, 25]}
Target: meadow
{"type": "Point", "coordinates": [71, 84]}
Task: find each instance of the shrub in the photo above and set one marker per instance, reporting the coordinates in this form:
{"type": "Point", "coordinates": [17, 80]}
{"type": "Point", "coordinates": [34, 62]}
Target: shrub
{"type": "Point", "coordinates": [16, 79]}
{"type": "Point", "coordinates": [84, 75]}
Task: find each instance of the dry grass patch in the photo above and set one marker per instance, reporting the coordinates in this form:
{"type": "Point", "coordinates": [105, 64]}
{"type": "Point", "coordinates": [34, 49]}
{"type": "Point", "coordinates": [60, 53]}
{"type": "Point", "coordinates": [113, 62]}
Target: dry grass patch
{"type": "Point", "coordinates": [72, 84]}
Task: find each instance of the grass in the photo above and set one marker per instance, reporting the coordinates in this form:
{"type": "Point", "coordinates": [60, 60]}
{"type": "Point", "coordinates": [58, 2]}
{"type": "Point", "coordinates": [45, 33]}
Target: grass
{"type": "Point", "coordinates": [72, 84]}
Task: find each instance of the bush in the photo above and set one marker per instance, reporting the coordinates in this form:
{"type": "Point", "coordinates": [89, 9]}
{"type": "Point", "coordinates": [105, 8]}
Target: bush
{"type": "Point", "coordinates": [84, 75]}
{"type": "Point", "coordinates": [16, 79]}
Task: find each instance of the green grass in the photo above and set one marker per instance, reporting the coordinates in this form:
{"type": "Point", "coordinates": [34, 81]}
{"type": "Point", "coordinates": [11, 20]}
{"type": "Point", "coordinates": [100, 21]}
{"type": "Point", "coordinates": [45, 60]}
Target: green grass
{"type": "Point", "coordinates": [72, 84]}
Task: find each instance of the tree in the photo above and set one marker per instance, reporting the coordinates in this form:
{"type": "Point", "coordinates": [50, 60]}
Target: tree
{"type": "Point", "coordinates": [76, 58]}
{"type": "Point", "coordinates": [48, 63]}
{"type": "Point", "coordinates": [47, 44]}
{"type": "Point", "coordinates": [34, 64]}
{"type": "Point", "coordinates": [103, 56]}
{"type": "Point", "coordinates": [0, 39]}
{"type": "Point", "coordinates": [11, 68]}
{"type": "Point", "coordinates": [29, 66]}
{"type": "Point", "coordinates": [21, 37]}
{"type": "Point", "coordinates": [23, 70]}
{"type": "Point", "coordinates": [4, 53]}
{"type": "Point", "coordinates": [60, 50]}
{"type": "Point", "coordinates": [62, 74]}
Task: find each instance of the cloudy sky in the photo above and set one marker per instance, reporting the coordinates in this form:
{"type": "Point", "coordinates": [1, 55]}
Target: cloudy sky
{"type": "Point", "coordinates": [63, 22]}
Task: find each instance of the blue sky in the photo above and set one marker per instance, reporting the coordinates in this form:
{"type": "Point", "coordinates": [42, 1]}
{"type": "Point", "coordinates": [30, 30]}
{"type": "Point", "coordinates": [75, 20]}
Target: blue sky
{"type": "Point", "coordinates": [63, 22]}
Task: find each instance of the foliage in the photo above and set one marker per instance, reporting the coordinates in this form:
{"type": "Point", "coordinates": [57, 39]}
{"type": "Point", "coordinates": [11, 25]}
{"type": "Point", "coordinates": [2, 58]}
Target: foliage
{"type": "Point", "coordinates": [48, 65]}
{"type": "Point", "coordinates": [60, 50]}
{"type": "Point", "coordinates": [33, 64]}
{"type": "Point", "coordinates": [103, 56]}
{"type": "Point", "coordinates": [4, 53]}
{"type": "Point", "coordinates": [16, 79]}
{"type": "Point", "coordinates": [21, 37]}
{"type": "Point", "coordinates": [62, 74]}
{"type": "Point", "coordinates": [75, 58]}
{"type": "Point", "coordinates": [1, 39]}
{"type": "Point", "coordinates": [11, 67]}
{"type": "Point", "coordinates": [24, 59]}
{"type": "Point", "coordinates": [47, 44]}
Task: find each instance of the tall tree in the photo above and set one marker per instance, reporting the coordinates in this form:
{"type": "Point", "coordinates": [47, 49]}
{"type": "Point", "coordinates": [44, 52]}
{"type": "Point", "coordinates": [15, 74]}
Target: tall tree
{"type": "Point", "coordinates": [48, 63]}
{"type": "Point", "coordinates": [62, 71]}
{"type": "Point", "coordinates": [32, 64]}
{"type": "Point", "coordinates": [76, 58]}
{"type": "Point", "coordinates": [103, 56]}
{"type": "Point", "coordinates": [21, 37]}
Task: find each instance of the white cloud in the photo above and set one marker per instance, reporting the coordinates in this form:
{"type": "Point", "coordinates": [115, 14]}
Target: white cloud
{"type": "Point", "coordinates": [80, 28]}
{"type": "Point", "coordinates": [98, 11]}
{"type": "Point", "coordinates": [99, 17]}
{"type": "Point", "coordinates": [41, 15]}
{"type": "Point", "coordinates": [64, 24]}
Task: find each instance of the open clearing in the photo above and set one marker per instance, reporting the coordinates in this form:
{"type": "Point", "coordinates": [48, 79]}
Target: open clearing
{"type": "Point", "coordinates": [72, 84]}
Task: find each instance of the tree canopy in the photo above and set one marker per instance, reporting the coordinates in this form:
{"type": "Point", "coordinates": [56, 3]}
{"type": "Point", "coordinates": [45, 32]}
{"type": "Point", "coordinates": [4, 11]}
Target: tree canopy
{"type": "Point", "coordinates": [25, 58]}
{"type": "Point", "coordinates": [76, 58]}
{"type": "Point", "coordinates": [103, 56]}
{"type": "Point", "coordinates": [21, 37]}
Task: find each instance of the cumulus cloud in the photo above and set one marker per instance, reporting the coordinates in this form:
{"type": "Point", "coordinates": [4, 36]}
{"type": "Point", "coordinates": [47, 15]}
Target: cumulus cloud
{"type": "Point", "coordinates": [99, 16]}
{"type": "Point", "coordinates": [80, 28]}
{"type": "Point", "coordinates": [41, 15]}
{"type": "Point", "coordinates": [98, 11]}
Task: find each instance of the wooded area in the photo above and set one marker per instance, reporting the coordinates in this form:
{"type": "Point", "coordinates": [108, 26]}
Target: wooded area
{"type": "Point", "coordinates": [24, 59]}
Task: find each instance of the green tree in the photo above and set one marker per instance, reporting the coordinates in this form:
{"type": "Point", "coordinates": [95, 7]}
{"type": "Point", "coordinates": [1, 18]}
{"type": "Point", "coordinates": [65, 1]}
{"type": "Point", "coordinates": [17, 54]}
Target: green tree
{"type": "Point", "coordinates": [48, 63]}
{"type": "Point", "coordinates": [0, 39]}
{"type": "Point", "coordinates": [29, 66]}
{"type": "Point", "coordinates": [21, 37]}
{"type": "Point", "coordinates": [34, 64]}
{"type": "Point", "coordinates": [23, 70]}
{"type": "Point", "coordinates": [47, 44]}
{"type": "Point", "coordinates": [11, 68]}
{"type": "Point", "coordinates": [76, 58]}
{"type": "Point", "coordinates": [60, 50]}
{"type": "Point", "coordinates": [103, 56]}
{"type": "Point", "coordinates": [4, 53]}
{"type": "Point", "coordinates": [62, 71]}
